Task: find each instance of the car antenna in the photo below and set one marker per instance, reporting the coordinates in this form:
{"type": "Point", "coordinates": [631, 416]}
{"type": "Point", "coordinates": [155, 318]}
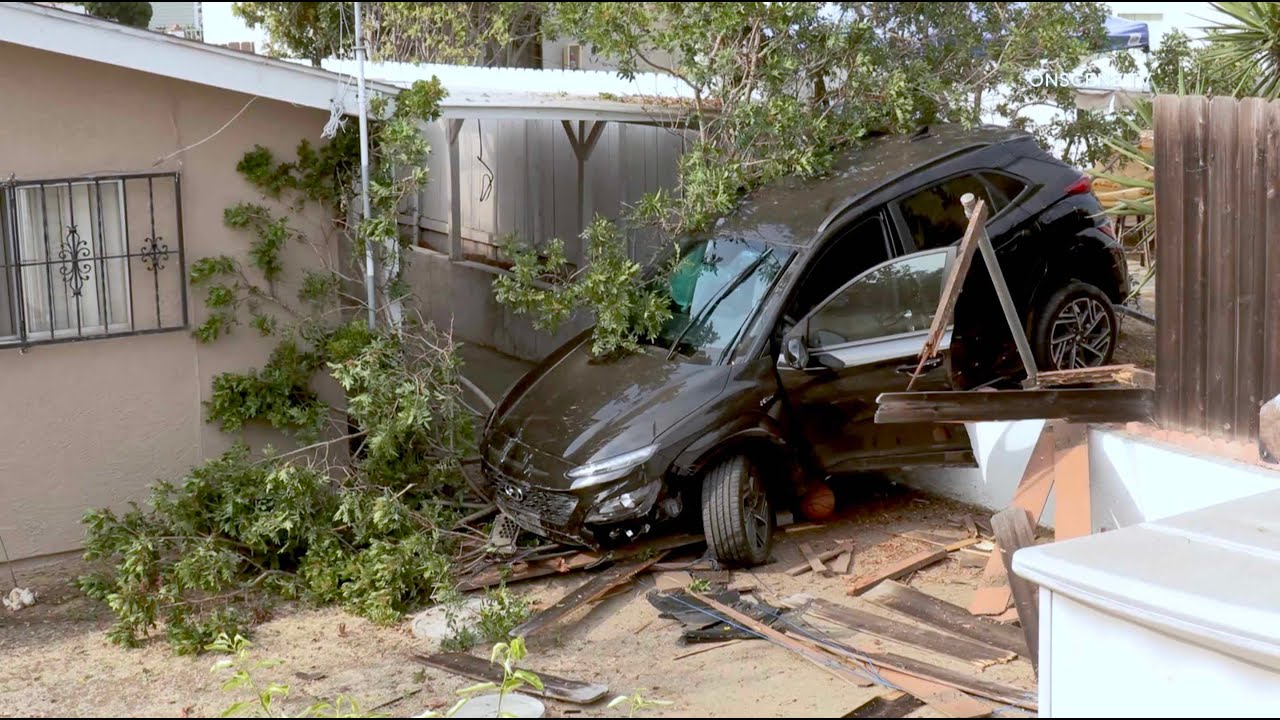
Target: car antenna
{"type": "Point", "coordinates": [922, 132]}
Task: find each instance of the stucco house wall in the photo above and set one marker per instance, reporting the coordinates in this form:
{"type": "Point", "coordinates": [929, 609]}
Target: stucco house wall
{"type": "Point", "coordinates": [92, 422]}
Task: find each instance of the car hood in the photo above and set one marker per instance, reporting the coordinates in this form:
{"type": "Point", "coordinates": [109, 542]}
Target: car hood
{"type": "Point", "coordinates": [578, 409]}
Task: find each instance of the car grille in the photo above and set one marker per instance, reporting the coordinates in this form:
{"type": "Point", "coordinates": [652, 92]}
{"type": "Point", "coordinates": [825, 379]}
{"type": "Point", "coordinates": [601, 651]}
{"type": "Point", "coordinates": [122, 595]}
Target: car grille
{"type": "Point", "coordinates": [514, 472]}
{"type": "Point", "coordinates": [529, 504]}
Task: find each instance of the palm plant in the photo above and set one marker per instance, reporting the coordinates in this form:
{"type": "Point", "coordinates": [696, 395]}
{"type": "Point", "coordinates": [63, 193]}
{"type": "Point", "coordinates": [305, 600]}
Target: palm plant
{"type": "Point", "coordinates": [1248, 42]}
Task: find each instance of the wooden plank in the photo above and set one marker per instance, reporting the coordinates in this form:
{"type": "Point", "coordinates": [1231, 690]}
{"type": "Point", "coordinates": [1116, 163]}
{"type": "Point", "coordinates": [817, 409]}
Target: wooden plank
{"type": "Point", "coordinates": [965, 649]}
{"type": "Point", "coordinates": [555, 688]}
{"type": "Point", "coordinates": [593, 589]}
{"type": "Point", "coordinates": [1251, 276]}
{"type": "Point", "coordinates": [951, 291]}
{"type": "Point", "coordinates": [1271, 319]}
{"type": "Point", "coordinates": [1072, 510]}
{"type": "Point", "coordinates": [993, 594]}
{"type": "Point", "coordinates": [947, 701]}
{"type": "Point", "coordinates": [1224, 250]}
{"type": "Point", "coordinates": [897, 570]}
{"type": "Point", "coordinates": [893, 705]}
{"type": "Point", "coordinates": [844, 563]}
{"type": "Point", "coordinates": [1081, 376]}
{"type": "Point", "coordinates": [814, 563]}
{"type": "Point", "coordinates": [896, 669]}
{"type": "Point", "coordinates": [580, 561]}
{"type": "Point", "coordinates": [1086, 405]}
{"type": "Point", "coordinates": [454, 127]}
{"type": "Point", "coordinates": [942, 615]}
{"type": "Point", "coordinates": [805, 567]}
{"type": "Point", "coordinates": [1169, 175]}
{"type": "Point", "coordinates": [1007, 306]}
{"type": "Point", "coordinates": [1014, 532]}
{"type": "Point", "coordinates": [1194, 281]}
{"type": "Point", "coordinates": [794, 645]}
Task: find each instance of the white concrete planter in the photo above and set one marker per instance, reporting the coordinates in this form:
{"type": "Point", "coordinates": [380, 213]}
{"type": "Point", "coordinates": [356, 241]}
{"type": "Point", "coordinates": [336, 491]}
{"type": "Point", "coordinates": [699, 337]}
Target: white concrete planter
{"type": "Point", "coordinates": [513, 705]}
{"type": "Point", "coordinates": [1174, 618]}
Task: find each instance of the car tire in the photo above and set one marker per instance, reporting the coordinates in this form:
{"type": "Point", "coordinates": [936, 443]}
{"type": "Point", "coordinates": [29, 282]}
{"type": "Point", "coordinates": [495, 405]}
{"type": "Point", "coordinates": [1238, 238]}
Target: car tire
{"type": "Point", "coordinates": [1075, 328]}
{"type": "Point", "coordinates": [737, 516]}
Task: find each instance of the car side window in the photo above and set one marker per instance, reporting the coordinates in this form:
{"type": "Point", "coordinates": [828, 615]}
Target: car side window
{"type": "Point", "coordinates": [1007, 185]}
{"type": "Point", "coordinates": [900, 296]}
{"type": "Point", "coordinates": [934, 216]}
{"type": "Point", "coordinates": [859, 247]}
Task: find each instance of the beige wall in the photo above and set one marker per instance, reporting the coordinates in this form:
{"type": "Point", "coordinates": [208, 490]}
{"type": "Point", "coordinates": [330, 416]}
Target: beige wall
{"type": "Point", "coordinates": [92, 423]}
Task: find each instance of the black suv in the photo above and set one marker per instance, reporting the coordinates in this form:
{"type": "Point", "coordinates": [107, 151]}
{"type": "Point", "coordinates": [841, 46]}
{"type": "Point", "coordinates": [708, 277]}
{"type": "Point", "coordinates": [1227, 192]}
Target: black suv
{"type": "Point", "coordinates": [789, 318]}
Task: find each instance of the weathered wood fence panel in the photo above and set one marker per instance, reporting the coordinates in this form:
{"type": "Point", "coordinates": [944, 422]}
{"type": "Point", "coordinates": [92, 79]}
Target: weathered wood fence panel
{"type": "Point", "coordinates": [1218, 252]}
{"type": "Point", "coordinates": [519, 177]}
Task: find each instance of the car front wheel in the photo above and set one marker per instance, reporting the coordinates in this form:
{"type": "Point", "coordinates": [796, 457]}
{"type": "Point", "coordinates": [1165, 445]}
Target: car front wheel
{"type": "Point", "coordinates": [1076, 328]}
{"type": "Point", "coordinates": [737, 516]}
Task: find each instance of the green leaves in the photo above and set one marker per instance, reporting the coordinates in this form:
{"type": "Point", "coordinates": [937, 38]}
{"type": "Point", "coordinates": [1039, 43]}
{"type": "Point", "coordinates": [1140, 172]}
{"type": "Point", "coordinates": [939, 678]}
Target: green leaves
{"type": "Point", "coordinates": [1247, 45]}
{"type": "Point", "coordinates": [610, 287]}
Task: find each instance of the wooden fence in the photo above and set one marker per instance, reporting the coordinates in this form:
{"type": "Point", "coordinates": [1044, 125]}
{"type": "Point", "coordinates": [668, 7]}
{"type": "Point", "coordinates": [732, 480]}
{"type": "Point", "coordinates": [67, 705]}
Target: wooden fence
{"type": "Point", "coordinates": [1218, 254]}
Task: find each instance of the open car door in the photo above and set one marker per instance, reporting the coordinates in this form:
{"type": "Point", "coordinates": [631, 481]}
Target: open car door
{"type": "Point", "coordinates": [864, 340]}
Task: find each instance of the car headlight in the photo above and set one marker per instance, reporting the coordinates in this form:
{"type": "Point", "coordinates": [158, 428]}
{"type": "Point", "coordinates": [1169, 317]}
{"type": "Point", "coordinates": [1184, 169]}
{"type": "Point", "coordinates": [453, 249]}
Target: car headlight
{"type": "Point", "coordinates": [626, 504]}
{"type": "Point", "coordinates": [602, 471]}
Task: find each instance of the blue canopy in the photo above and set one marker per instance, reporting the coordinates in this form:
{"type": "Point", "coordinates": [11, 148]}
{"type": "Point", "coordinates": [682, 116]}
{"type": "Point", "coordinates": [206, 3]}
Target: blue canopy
{"type": "Point", "coordinates": [1127, 34]}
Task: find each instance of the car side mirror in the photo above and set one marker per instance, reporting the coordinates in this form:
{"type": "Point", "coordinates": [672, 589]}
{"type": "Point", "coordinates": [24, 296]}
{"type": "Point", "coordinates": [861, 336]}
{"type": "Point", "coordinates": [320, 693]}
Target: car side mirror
{"type": "Point", "coordinates": [795, 353]}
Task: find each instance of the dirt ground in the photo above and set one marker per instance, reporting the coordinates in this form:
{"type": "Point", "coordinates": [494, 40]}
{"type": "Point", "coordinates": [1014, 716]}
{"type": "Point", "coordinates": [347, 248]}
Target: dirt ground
{"type": "Point", "coordinates": [55, 661]}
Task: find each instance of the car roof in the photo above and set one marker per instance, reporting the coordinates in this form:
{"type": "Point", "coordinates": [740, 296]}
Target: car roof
{"type": "Point", "coordinates": [791, 211]}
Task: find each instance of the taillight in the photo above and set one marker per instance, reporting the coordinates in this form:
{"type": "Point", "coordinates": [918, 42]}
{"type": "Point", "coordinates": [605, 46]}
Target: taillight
{"type": "Point", "coordinates": [1081, 186]}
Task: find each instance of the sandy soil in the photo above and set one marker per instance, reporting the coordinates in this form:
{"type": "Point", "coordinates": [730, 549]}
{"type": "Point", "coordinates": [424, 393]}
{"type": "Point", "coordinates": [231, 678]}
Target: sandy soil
{"type": "Point", "coordinates": [56, 661]}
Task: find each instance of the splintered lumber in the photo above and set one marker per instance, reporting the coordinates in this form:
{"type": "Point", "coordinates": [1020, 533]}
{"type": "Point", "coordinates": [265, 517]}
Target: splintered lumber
{"type": "Point", "coordinates": [1106, 373]}
{"type": "Point", "coordinates": [555, 688]}
{"type": "Point", "coordinates": [579, 561]}
{"type": "Point", "coordinates": [814, 563]}
{"type": "Point", "coordinates": [1084, 405]}
{"type": "Point", "coordinates": [978, 653]}
{"type": "Point", "coordinates": [899, 670]}
{"type": "Point", "coordinates": [893, 705]}
{"type": "Point", "coordinates": [844, 563]}
{"type": "Point", "coordinates": [1014, 532]}
{"type": "Point", "coordinates": [821, 557]}
{"type": "Point", "coordinates": [944, 616]}
{"type": "Point", "coordinates": [897, 570]}
{"type": "Point", "coordinates": [1071, 518]}
{"type": "Point", "coordinates": [593, 589]}
{"type": "Point", "coordinates": [951, 291]}
{"type": "Point", "coordinates": [794, 645]}
{"type": "Point", "coordinates": [947, 701]}
{"type": "Point", "coordinates": [993, 595]}
{"type": "Point", "coordinates": [934, 685]}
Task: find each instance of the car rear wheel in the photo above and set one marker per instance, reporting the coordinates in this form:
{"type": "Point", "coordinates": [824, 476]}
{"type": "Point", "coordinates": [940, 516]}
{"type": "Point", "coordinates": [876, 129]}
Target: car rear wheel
{"type": "Point", "coordinates": [1076, 328]}
{"type": "Point", "coordinates": [737, 516]}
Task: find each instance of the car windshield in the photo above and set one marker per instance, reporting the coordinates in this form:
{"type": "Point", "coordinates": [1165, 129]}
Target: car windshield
{"type": "Point", "coordinates": [714, 290]}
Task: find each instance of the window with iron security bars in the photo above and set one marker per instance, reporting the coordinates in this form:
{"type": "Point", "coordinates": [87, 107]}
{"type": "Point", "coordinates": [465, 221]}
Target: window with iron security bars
{"type": "Point", "coordinates": [85, 258]}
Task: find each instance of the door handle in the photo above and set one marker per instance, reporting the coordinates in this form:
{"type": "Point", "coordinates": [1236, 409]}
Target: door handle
{"type": "Point", "coordinates": [932, 363]}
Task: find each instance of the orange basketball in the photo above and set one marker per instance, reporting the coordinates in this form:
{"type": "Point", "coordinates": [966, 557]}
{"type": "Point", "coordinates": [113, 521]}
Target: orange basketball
{"type": "Point", "coordinates": [818, 503]}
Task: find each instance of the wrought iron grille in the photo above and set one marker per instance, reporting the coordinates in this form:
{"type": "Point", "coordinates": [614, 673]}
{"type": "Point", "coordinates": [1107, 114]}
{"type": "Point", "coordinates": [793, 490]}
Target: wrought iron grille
{"type": "Point", "coordinates": [84, 258]}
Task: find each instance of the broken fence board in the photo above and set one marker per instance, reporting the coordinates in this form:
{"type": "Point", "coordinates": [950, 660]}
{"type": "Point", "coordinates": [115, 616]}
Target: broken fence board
{"type": "Point", "coordinates": [897, 570]}
{"type": "Point", "coordinates": [1014, 532]}
{"type": "Point", "coordinates": [978, 653]}
{"type": "Point", "coordinates": [579, 561]}
{"type": "Point", "coordinates": [992, 596]}
{"type": "Point", "coordinates": [797, 646]}
{"type": "Point", "coordinates": [954, 284]}
{"type": "Point", "coordinates": [806, 567]}
{"type": "Point", "coordinates": [593, 589]}
{"type": "Point", "coordinates": [844, 563]}
{"type": "Point", "coordinates": [814, 563]}
{"type": "Point", "coordinates": [1071, 517]}
{"type": "Point", "coordinates": [895, 705]}
{"type": "Point", "coordinates": [946, 701]}
{"type": "Point", "coordinates": [1105, 373]}
{"type": "Point", "coordinates": [896, 669]}
{"type": "Point", "coordinates": [942, 615]}
{"type": "Point", "coordinates": [1091, 405]}
{"type": "Point", "coordinates": [555, 688]}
